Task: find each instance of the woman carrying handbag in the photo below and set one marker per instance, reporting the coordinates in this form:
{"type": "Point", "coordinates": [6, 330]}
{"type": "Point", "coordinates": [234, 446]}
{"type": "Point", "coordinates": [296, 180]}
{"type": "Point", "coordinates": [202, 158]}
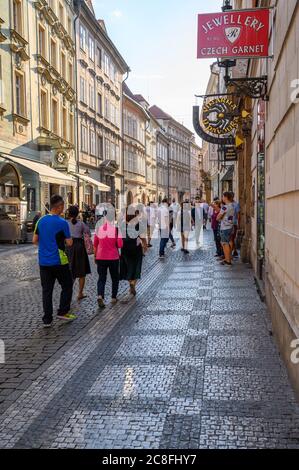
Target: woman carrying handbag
{"type": "Point", "coordinates": [77, 253]}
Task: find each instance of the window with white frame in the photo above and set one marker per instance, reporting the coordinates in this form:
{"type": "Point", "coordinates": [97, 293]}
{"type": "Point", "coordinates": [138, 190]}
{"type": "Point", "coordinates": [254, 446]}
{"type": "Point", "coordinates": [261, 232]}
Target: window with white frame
{"type": "Point", "coordinates": [83, 89]}
{"type": "Point", "coordinates": [100, 147]}
{"type": "Point", "coordinates": [91, 48]}
{"type": "Point", "coordinates": [93, 142]}
{"type": "Point", "coordinates": [84, 139]}
{"type": "Point", "coordinates": [91, 96]}
{"type": "Point", "coordinates": [106, 64]}
{"type": "Point", "coordinates": [82, 38]}
{"type": "Point", "coordinates": [107, 109]}
{"type": "Point", "coordinates": [107, 149]}
{"type": "Point", "coordinates": [99, 57]}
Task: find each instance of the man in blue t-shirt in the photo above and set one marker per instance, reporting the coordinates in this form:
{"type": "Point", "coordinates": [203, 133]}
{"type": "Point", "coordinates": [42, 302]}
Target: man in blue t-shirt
{"type": "Point", "coordinates": [52, 235]}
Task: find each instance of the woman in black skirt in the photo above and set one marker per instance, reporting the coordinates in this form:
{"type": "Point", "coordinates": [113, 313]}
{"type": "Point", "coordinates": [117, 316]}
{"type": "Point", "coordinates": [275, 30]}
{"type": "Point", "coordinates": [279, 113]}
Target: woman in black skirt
{"type": "Point", "coordinates": [77, 254]}
{"type": "Point", "coordinates": [134, 247]}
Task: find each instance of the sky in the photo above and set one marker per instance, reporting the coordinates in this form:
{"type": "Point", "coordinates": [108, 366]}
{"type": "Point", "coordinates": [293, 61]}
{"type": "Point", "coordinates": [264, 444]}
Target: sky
{"type": "Point", "coordinates": [157, 38]}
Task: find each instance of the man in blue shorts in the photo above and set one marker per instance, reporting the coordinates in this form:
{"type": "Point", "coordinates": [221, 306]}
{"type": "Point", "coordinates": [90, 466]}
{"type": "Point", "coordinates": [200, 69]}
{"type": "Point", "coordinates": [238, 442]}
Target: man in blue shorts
{"type": "Point", "coordinates": [226, 216]}
{"type": "Point", "coordinates": [52, 235]}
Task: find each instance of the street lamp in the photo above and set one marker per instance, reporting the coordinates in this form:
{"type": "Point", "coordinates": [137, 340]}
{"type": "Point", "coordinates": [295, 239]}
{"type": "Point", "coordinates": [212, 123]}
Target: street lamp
{"type": "Point", "coordinates": [226, 5]}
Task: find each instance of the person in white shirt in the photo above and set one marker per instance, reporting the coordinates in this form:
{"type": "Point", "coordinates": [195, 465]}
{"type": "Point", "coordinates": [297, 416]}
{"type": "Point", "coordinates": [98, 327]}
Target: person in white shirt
{"type": "Point", "coordinates": [197, 220]}
{"type": "Point", "coordinates": [151, 213]}
{"type": "Point", "coordinates": [163, 218]}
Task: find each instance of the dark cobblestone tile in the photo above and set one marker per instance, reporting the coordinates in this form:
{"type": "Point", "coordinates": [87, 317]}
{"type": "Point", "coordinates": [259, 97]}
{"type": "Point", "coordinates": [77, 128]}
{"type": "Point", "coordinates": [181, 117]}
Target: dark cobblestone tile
{"type": "Point", "coordinates": [188, 382]}
{"type": "Point", "coordinates": [194, 346]}
{"type": "Point", "coordinates": [181, 432]}
{"type": "Point", "coordinates": [230, 432]}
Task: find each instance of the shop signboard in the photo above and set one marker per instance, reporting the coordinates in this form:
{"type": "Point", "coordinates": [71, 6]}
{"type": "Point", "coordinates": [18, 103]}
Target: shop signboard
{"type": "Point", "coordinates": [234, 34]}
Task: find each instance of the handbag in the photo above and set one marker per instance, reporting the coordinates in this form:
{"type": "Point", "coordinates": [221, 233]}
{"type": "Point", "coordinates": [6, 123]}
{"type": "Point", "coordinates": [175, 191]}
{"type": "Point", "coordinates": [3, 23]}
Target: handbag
{"type": "Point", "coordinates": [88, 244]}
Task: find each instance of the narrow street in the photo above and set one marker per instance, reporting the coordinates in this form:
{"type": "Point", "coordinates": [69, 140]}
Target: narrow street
{"type": "Point", "coordinates": [190, 364]}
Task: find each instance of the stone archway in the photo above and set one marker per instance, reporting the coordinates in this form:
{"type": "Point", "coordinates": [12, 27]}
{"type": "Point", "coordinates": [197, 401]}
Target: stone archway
{"type": "Point", "coordinates": [9, 181]}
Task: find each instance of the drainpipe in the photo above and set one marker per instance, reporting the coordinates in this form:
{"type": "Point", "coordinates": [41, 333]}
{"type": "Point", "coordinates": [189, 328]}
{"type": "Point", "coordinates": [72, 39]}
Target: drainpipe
{"type": "Point", "coordinates": [145, 148]}
{"type": "Point", "coordinates": [123, 136]}
{"type": "Point", "coordinates": [78, 4]}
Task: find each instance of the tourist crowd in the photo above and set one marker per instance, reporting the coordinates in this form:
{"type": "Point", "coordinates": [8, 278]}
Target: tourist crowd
{"type": "Point", "coordinates": [120, 243]}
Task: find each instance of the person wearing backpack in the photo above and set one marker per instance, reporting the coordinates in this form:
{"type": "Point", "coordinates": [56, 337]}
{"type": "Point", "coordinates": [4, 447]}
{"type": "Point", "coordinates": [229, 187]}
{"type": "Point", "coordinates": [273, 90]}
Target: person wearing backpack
{"type": "Point", "coordinates": [134, 247]}
{"type": "Point", "coordinates": [107, 242]}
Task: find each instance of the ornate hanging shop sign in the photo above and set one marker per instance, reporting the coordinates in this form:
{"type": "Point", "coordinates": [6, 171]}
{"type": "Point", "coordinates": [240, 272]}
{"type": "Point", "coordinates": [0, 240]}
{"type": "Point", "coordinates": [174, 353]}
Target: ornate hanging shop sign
{"type": "Point", "coordinates": [219, 121]}
{"type": "Point", "coordinates": [234, 34]}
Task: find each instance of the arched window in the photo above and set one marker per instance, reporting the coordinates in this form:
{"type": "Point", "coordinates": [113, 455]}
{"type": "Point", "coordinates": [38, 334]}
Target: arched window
{"type": "Point", "coordinates": [9, 181]}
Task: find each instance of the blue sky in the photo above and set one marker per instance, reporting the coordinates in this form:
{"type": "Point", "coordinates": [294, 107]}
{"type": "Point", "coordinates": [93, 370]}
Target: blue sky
{"type": "Point", "coordinates": [157, 38]}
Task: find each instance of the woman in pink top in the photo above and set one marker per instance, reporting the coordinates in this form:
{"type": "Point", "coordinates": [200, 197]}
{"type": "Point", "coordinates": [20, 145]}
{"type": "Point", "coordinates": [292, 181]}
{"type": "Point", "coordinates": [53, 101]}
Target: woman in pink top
{"type": "Point", "coordinates": [107, 242]}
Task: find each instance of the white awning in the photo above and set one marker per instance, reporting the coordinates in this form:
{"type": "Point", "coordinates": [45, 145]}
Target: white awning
{"type": "Point", "coordinates": [100, 186]}
{"type": "Point", "coordinates": [45, 172]}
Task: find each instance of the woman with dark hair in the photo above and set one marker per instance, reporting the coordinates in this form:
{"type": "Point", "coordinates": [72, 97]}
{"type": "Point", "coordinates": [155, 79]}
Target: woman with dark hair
{"type": "Point", "coordinates": [77, 254]}
{"type": "Point", "coordinates": [134, 246]}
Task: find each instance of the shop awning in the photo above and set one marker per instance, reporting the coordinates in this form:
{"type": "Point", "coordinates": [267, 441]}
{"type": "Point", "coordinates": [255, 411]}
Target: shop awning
{"type": "Point", "coordinates": [45, 172]}
{"type": "Point", "coordinates": [100, 186]}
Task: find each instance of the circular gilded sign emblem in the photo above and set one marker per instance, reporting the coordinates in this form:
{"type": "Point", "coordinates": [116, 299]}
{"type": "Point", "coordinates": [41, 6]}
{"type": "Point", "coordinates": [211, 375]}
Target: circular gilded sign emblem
{"type": "Point", "coordinates": [220, 116]}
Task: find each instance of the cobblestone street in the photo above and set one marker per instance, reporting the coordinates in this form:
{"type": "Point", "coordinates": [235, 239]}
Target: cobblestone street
{"type": "Point", "coordinates": [190, 364]}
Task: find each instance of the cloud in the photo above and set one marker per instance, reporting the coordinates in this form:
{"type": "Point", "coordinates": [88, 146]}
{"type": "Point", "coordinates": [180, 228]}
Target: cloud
{"type": "Point", "coordinates": [117, 13]}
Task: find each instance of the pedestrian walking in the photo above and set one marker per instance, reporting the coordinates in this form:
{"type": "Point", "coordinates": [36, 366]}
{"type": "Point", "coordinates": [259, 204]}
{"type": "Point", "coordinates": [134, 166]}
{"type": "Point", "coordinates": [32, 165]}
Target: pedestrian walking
{"type": "Point", "coordinates": [52, 235]}
{"type": "Point", "coordinates": [107, 243]}
{"type": "Point", "coordinates": [215, 225]}
{"type": "Point", "coordinates": [171, 225]}
{"type": "Point", "coordinates": [226, 216]}
{"type": "Point", "coordinates": [151, 222]}
{"type": "Point", "coordinates": [134, 247]}
{"type": "Point", "coordinates": [197, 220]}
{"type": "Point", "coordinates": [184, 225]}
{"type": "Point", "coordinates": [163, 219]}
{"type": "Point", "coordinates": [237, 211]}
{"type": "Point", "coordinates": [205, 209]}
{"type": "Point", "coordinates": [77, 254]}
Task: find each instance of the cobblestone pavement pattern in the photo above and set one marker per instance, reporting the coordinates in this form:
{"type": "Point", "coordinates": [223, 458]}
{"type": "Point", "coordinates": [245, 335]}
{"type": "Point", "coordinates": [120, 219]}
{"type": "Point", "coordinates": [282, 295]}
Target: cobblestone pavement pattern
{"type": "Point", "coordinates": [189, 364]}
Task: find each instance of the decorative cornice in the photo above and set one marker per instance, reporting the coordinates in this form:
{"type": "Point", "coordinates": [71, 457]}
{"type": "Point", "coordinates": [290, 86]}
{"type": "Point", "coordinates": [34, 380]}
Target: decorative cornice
{"type": "Point", "coordinates": [19, 118]}
{"type": "Point", "coordinates": [2, 35]}
{"type": "Point", "coordinates": [92, 72]}
{"type": "Point", "coordinates": [51, 75]}
{"type": "Point", "coordinates": [100, 79]}
{"type": "Point", "coordinates": [46, 12]}
{"type": "Point", "coordinates": [83, 63]}
{"type": "Point", "coordinates": [18, 45]}
{"type": "Point", "coordinates": [2, 109]}
{"type": "Point", "coordinates": [54, 141]}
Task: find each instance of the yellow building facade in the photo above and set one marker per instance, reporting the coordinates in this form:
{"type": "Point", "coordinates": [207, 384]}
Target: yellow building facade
{"type": "Point", "coordinates": [37, 105]}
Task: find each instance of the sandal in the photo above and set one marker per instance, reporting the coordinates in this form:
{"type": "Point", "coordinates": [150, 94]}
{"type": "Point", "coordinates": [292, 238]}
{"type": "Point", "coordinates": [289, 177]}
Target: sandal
{"type": "Point", "coordinates": [81, 297]}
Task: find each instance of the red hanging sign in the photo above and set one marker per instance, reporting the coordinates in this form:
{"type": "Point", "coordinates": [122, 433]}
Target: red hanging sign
{"type": "Point", "coordinates": [233, 34]}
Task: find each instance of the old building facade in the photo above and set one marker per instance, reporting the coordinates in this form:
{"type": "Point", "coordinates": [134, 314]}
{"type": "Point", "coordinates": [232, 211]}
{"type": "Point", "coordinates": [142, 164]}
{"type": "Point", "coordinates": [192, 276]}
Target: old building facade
{"type": "Point", "coordinates": [100, 72]}
{"type": "Point", "coordinates": [136, 121]}
{"type": "Point", "coordinates": [162, 165]}
{"type": "Point", "coordinates": [195, 169]}
{"type": "Point", "coordinates": [270, 177]}
{"type": "Point", "coordinates": [179, 154]}
{"type": "Point", "coordinates": [37, 104]}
